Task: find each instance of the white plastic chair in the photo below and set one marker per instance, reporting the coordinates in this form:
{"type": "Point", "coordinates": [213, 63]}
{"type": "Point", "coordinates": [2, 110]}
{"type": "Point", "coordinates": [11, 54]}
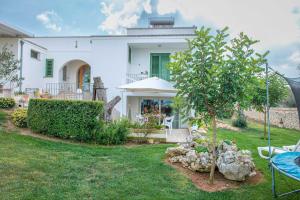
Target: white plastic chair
{"type": "Point", "coordinates": [140, 118]}
{"type": "Point", "coordinates": [168, 123]}
{"type": "Point", "coordinates": [277, 150]}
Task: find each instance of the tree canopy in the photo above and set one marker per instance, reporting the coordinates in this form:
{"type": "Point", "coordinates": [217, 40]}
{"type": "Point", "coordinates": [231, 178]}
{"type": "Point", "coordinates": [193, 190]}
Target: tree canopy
{"type": "Point", "coordinates": [215, 73]}
{"type": "Point", "coordinates": [9, 67]}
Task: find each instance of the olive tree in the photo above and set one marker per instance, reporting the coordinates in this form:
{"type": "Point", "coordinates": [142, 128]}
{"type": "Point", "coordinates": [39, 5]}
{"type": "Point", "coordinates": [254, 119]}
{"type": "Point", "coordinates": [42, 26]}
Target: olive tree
{"type": "Point", "coordinates": [215, 73]}
{"type": "Point", "coordinates": [278, 91]}
{"type": "Point", "coordinates": [9, 67]}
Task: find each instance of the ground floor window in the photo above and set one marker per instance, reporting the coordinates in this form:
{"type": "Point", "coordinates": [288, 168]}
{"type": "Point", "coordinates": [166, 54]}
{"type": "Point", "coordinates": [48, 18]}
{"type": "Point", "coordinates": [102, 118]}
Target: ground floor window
{"type": "Point", "coordinates": [156, 106]}
{"type": "Point", "coordinates": [159, 106]}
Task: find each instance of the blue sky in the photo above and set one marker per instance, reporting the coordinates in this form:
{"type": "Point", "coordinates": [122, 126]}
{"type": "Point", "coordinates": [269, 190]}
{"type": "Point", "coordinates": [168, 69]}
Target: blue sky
{"type": "Point", "coordinates": [276, 23]}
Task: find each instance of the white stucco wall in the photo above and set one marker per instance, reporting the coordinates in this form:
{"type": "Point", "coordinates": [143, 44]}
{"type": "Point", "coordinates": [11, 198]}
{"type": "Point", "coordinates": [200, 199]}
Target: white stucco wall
{"type": "Point", "coordinates": [107, 57]}
{"type": "Point", "coordinates": [33, 70]}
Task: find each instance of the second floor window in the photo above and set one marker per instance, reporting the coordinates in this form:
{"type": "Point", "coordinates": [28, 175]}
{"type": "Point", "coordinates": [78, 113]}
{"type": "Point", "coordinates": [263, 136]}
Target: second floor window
{"type": "Point", "coordinates": [35, 54]}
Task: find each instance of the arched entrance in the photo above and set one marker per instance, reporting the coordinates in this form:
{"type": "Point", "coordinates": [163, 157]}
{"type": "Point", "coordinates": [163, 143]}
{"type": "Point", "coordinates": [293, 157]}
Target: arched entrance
{"type": "Point", "coordinates": [76, 73]}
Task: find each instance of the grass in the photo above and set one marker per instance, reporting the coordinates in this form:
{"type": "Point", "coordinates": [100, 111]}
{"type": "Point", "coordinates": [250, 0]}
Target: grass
{"type": "Point", "coordinates": [32, 168]}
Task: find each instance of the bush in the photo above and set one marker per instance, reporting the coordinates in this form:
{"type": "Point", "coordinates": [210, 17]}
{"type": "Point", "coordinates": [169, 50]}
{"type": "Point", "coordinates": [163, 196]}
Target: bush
{"type": "Point", "coordinates": [115, 132]}
{"type": "Point", "coordinates": [7, 103]}
{"type": "Point", "coordinates": [79, 120]}
{"type": "Point", "coordinates": [240, 122]}
{"type": "Point", "coordinates": [19, 117]}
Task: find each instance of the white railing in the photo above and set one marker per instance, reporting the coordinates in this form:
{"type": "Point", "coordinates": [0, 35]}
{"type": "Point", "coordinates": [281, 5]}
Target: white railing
{"type": "Point", "coordinates": [130, 78]}
{"type": "Point", "coordinates": [63, 90]}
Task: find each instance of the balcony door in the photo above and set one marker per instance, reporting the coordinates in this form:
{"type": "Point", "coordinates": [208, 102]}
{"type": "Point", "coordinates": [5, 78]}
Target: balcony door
{"type": "Point", "coordinates": [158, 63]}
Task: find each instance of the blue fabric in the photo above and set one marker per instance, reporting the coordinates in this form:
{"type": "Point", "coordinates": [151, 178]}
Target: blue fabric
{"type": "Point", "coordinates": [285, 162]}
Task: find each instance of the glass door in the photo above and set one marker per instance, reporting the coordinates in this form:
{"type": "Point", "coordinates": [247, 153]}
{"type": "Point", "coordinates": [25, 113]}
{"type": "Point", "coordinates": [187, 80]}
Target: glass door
{"type": "Point", "coordinates": [158, 63]}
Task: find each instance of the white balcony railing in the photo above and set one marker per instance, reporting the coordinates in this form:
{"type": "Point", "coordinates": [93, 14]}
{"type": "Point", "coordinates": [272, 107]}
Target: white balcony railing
{"type": "Point", "coordinates": [130, 78]}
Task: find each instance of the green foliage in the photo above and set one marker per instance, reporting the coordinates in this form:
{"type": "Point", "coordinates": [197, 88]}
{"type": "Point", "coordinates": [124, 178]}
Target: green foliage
{"type": "Point", "coordinates": [197, 121]}
{"type": "Point", "coordinates": [60, 170]}
{"type": "Point", "coordinates": [240, 122]}
{"type": "Point", "coordinates": [115, 132]}
{"type": "Point", "coordinates": [229, 142]}
{"type": "Point", "coordinates": [214, 74]}
{"type": "Point", "coordinates": [19, 117]}
{"type": "Point", "coordinates": [9, 67]}
{"type": "Point", "coordinates": [278, 91]}
{"type": "Point", "coordinates": [79, 120]}
{"type": "Point", "coordinates": [151, 122]}
{"type": "Point", "coordinates": [200, 149]}
{"type": "Point", "coordinates": [7, 103]}
{"type": "Point", "coordinates": [201, 141]}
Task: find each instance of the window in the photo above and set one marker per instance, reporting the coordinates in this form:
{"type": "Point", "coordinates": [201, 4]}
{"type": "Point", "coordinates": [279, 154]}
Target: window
{"type": "Point", "coordinates": [129, 55]}
{"type": "Point", "coordinates": [35, 54]}
{"type": "Point", "coordinates": [65, 73]}
{"type": "Point", "coordinates": [49, 68]}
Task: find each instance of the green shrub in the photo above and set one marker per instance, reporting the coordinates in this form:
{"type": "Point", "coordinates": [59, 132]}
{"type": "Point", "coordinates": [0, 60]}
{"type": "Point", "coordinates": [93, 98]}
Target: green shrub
{"type": "Point", "coordinates": [115, 132]}
{"type": "Point", "coordinates": [240, 122]}
{"type": "Point", "coordinates": [7, 103]}
{"type": "Point", "coordinates": [200, 149]}
{"type": "Point", "coordinates": [19, 117]}
{"type": "Point", "coordinates": [79, 120]}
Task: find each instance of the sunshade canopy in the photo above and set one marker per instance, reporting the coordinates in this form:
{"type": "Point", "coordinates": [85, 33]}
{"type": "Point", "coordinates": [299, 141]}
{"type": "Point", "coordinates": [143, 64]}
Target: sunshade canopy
{"type": "Point", "coordinates": [153, 84]}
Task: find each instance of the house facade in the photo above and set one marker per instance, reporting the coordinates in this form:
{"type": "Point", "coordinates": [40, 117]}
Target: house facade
{"type": "Point", "coordinates": [69, 63]}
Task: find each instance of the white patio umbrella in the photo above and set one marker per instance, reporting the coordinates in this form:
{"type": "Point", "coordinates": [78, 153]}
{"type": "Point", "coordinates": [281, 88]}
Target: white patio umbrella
{"type": "Point", "coordinates": [153, 84]}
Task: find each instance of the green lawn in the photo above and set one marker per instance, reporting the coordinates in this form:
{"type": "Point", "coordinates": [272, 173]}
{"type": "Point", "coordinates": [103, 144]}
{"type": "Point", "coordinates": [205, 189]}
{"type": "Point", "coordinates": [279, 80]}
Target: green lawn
{"type": "Point", "coordinates": [35, 169]}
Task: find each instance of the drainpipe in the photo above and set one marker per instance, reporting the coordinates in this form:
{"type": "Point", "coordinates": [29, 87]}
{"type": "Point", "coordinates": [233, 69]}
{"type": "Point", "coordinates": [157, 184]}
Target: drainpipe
{"type": "Point", "coordinates": [21, 65]}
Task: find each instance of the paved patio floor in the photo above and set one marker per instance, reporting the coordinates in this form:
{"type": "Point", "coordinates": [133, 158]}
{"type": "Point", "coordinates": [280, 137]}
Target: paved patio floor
{"type": "Point", "coordinates": [176, 136]}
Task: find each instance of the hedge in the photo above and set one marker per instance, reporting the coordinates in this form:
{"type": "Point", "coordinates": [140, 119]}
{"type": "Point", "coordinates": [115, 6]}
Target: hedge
{"type": "Point", "coordinates": [7, 103]}
{"type": "Point", "coordinates": [79, 120]}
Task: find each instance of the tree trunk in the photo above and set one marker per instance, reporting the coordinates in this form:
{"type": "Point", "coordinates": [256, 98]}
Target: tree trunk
{"type": "Point", "coordinates": [109, 107]}
{"type": "Point", "coordinates": [265, 124]}
{"type": "Point", "coordinates": [214, 141]}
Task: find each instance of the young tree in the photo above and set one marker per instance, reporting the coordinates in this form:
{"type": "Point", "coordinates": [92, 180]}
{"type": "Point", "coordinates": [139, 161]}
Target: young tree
{"type": "Point", "coordinates": [214, 74]}
{"type": "Point", "coordinates": [278, 91]}
{"type": "Point", "coordinates": [9, 67]}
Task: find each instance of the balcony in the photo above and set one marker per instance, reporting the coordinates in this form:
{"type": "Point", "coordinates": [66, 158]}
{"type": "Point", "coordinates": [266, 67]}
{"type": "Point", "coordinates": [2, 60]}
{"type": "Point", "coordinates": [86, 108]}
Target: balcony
{"type": "Point", "coordinates": [130, 78]}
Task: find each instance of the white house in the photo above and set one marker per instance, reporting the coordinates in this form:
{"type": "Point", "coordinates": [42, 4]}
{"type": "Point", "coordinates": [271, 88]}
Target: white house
{"type": "Point", "coordinates": [70, 63]}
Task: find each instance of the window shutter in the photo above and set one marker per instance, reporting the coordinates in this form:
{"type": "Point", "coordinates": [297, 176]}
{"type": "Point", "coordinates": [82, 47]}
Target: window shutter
{"type": "Point", "coordinates": [49, 68]}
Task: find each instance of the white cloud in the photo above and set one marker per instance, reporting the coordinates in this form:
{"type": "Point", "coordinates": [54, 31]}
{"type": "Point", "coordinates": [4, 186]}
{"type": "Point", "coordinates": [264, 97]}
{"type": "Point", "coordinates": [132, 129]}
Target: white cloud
{"type": "Point", "coordinates": [295, 57]}
{"type": "Point", "coordinates": [50, 20]}
{"type": "Point", "coordinates": [126, 16]}
{"type": "Point", "coordinates": [272, 22]}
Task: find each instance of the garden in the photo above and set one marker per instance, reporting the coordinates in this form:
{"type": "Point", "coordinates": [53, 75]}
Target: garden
{"type": "Point", "coordinates": [33, 168]}
{"type": "Point", "coordinates": [77, 151]}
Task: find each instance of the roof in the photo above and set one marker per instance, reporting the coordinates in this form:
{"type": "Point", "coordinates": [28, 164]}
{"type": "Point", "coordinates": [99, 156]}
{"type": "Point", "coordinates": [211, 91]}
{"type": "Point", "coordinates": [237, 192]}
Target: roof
{"type": "Point", "coordinates": [153, 84]}
{"type": "Point", "coordinates": [10, 31]}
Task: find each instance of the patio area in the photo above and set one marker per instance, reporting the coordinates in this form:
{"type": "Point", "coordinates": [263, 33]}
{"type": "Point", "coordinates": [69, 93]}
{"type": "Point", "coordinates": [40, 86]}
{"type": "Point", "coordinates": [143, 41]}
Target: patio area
{"type": "Point", "coordinates": [176, 136]}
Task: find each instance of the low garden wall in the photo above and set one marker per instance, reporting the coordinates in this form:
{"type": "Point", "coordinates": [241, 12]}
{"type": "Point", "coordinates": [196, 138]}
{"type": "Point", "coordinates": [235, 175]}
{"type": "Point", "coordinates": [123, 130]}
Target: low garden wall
{"type": "Point", "coordinates": [282, 117]}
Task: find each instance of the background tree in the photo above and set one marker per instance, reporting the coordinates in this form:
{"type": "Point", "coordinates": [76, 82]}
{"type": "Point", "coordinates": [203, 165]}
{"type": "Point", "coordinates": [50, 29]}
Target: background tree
{"type": "Point", "coordinates": [214, 74]}
{"type": "Point", "coordinates": [9, 67]}
{"type": "Point", "coordinates": [278, 91]}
